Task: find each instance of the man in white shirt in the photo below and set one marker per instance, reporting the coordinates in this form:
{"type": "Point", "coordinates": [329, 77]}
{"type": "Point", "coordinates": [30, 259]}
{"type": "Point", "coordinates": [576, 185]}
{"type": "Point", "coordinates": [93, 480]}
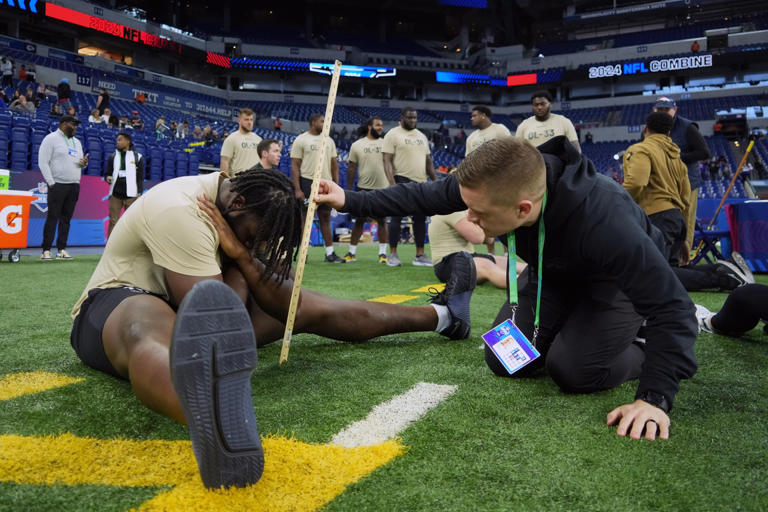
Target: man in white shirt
{"type": "Point", "coordinates": [543, 125]}
{"type": "Point", "coordinates": [239, 152]}
{"type": "Point", "coordinates": [60, 160]}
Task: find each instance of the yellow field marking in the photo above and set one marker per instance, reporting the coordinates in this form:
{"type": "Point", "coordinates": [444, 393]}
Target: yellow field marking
{"type": "Point", "coordinates": [297, 476]}
{"type": "Point", "coordinates": [426, 289]}
{"type": "Point", "coordinates": [27, 383]}
{"type": "Point", "coordinates": [393, 299]}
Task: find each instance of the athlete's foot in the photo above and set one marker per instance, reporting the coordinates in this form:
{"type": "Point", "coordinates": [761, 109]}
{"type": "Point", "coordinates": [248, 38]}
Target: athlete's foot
{"type": "Point", "coordinates": [457, 295]}
{"type": "Point", "coordinates": [212, 357]}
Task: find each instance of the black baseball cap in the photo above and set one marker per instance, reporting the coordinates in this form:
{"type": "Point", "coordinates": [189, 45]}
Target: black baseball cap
{"type": "Point", "coordinates": [68, 119]}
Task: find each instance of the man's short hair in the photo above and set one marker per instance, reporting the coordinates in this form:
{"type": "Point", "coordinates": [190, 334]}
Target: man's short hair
{"type": "Point", "coordinates": [483, 110]}
{"type": "Point", "coordinates": [659, 122]}
{"type": "Point", "coordinates": [314, 117]}
{"type": "Point", "coordinates": [245, 112]}
{"type": "Point", "coordinates": [406, 110]}
{"type": "Point", "coordinates": [264, 146]}
{"type": "Point", "coordinates": [541, 94]}
{"type": "Point", "coordinates": [508, 167]}
{"type": "Point", "coordinates": [126, 135]}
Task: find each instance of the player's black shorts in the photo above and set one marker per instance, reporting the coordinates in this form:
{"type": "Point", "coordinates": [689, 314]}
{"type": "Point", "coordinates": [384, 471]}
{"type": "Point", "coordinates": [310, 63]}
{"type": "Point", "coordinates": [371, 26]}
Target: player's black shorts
{"type": "Point", "coordinates": [306, 187]}
{"type": "Point", "coordinates": [89, 323]}
{"type": "Point", "coordinates": [443, 267]}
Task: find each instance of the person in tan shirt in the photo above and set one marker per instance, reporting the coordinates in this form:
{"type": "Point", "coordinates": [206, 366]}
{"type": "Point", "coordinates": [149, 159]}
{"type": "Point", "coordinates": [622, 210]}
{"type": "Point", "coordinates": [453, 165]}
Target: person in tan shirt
{"type": "Point", "coordinates": [486, 130]}
{"type": "Point", "coordinates": [239, 152]}
{"type": "Point", "coordinates": [407, 159]}
{"type": "Point", "coordinates": [366, 161]}
{"type": "Point", "coordinates": [305, 157]}
{"type": "Point", "coordinates": [543, 125]}
{"type": "Point", "coordinates": [195, 276]}
{"type": "Point", "coordinates": [454, 233]}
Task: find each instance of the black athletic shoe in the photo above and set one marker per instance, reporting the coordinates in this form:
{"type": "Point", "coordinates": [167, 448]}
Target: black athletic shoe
{"type": "Point", "coordinates": [213, 354]}
{"type": "Point", "coordinates": [734, 276]}
{"type": "Point", "coordinates": [333, 258]}
{"type": "Point", "coordinates": [457, 295]}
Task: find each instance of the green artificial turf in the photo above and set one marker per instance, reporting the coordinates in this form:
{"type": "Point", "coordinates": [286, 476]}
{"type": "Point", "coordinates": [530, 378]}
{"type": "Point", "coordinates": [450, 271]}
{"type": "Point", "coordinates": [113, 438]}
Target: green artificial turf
{"type": "Point", "coordinates": [496, 444]}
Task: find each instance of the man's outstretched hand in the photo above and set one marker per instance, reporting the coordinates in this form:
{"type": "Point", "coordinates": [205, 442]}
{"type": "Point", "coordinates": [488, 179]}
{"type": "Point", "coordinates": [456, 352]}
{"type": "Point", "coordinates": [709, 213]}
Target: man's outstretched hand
{"type": "Point", "coordinates": [331, 194]}
{"type": "Point", "coordinates": [633, 418]}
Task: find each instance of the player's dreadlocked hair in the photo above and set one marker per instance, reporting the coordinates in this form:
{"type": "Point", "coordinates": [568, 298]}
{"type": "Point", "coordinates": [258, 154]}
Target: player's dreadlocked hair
{"type": "Point", "coordinates": [271, 196]}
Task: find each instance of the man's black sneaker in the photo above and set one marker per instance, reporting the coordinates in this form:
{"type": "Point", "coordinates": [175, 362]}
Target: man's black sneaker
{"type": "Point", "coordinates": [457, 295]}
{"type": "Point", "coordinates": [349, 257]}
{"type": "Point", "coordinates": [333, 258]}
{"type": "Point", "coordinates": [212, 357]}
{"type": "Point", "coordinates": [733, 274]}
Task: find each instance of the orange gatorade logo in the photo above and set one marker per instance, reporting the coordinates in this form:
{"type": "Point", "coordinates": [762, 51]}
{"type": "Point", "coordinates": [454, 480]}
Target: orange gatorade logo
{"type": "Point", "coordinates": [10, 219]}
{"type": "Point", "coordinates": [14, 216]}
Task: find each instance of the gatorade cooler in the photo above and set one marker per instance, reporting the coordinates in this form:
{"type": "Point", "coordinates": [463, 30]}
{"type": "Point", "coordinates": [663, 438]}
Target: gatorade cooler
{"type": "Point", "coordinates": [14, 220]}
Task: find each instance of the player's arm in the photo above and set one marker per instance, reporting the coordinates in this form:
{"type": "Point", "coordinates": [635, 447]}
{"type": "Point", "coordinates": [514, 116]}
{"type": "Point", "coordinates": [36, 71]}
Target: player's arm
{"type": "Point", "coordinates": [389, 167]}
{"type": "Point", "coordinates": [471, 232]}
{"type": "Point", "coordinates": [180, 284]}
{"type": "Point", "coordinates": [431, 168]}
{"type": "Point", "coordinates": [351, 171]}
{"type": "Point", "coordinates": [573, 137]}
{"type": "Point", "coordinates": [335, 169]}
{"type": "Point", "coordinates": [224, 165]}
{"type": "Point", "coordinates": [295, 175]}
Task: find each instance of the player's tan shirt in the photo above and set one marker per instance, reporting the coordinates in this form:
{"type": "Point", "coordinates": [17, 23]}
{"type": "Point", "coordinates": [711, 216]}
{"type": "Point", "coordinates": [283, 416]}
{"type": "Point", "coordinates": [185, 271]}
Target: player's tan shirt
{"type": "Point", "coordinates": [537, 133]}
{"type": "Point", "coordinates": [307, 147]}
{"type": "Point", "coordinates": [443, 237]}
{"type": "Point", "coordinates": [479, 137]}
{"type": "Point", "coordinates": [164, 228]}
{"type": "Point", "coordinates": [367, 154]}
{"type": "Point", "coordinates": [410, 148]}
{"type": "Point", "coordinates": [241, 151]}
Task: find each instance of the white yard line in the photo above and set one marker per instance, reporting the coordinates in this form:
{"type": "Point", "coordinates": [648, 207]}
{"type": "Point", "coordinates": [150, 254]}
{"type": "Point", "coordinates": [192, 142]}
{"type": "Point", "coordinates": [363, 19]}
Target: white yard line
{"type": "Point", "coordinates": [389, 418]}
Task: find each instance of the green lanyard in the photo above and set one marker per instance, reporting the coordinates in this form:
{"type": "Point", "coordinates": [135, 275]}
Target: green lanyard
{"type": "Point", "coordinates": [512, 260]}
{"type": "Point", "coordinates": [66, 141]}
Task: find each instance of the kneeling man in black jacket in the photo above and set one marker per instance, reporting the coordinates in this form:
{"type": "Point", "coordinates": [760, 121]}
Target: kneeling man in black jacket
{"type": "Point", "coordinates": [595, 270]}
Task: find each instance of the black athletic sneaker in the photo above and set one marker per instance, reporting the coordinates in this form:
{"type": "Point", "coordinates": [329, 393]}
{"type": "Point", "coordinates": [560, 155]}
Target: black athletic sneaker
{"type": "Point", "coordinates": [333, 258]}
{"type": "Point", "coordinates": [457, 295]}
{"type": "Point", "coordinates": [212, 356]}
{"type": "Point", "coordinates": [733, 274]}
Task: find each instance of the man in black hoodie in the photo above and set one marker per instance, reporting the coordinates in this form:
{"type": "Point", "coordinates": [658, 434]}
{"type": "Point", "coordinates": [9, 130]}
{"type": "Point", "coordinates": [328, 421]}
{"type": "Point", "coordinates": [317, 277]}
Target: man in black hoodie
{"type": "Point", "coordinates": [602, 270]}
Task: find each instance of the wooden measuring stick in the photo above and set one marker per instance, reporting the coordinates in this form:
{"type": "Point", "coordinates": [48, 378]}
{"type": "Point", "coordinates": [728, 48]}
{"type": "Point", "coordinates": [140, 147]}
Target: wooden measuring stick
{"type": "Point", "coordinates": [312, 206]}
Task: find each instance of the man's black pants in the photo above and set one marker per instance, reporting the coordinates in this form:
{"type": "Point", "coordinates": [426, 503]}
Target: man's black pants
{"type": "Point", "coordinates": [61, 206]}
{"type": "Point", "coordinates": [419, 224]}
{"type": "Point", "coordinates": [586, 334]}
{"type": "Point", "coordinates": [696, 278]}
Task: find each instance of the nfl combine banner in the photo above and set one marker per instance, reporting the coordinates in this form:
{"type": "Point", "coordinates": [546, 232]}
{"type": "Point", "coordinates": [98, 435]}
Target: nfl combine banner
{"type": "Point", "coordinates": [652, 66]}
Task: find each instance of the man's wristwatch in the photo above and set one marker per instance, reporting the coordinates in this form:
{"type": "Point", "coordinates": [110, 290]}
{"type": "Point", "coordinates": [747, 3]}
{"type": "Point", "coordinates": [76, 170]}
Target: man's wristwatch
{"type": "Point", "coordinates": [656, 399]}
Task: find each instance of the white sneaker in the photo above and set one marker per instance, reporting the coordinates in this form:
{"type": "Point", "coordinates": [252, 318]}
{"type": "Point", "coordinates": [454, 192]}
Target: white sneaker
{"type": "Point", "coordinates": [394, 261]}
{"type": "Point", "coordinates": [63, 255]}
{"type": "Point", "coordinates": [46, 256]}
{"type": "Point", "coordinates": [740, 262]}
{"type": "Point", "coordinates": [702, 317]}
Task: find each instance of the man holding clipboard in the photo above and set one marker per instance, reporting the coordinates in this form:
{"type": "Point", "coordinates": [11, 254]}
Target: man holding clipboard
{"type": "Point", "coordinates": [596, 271]}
